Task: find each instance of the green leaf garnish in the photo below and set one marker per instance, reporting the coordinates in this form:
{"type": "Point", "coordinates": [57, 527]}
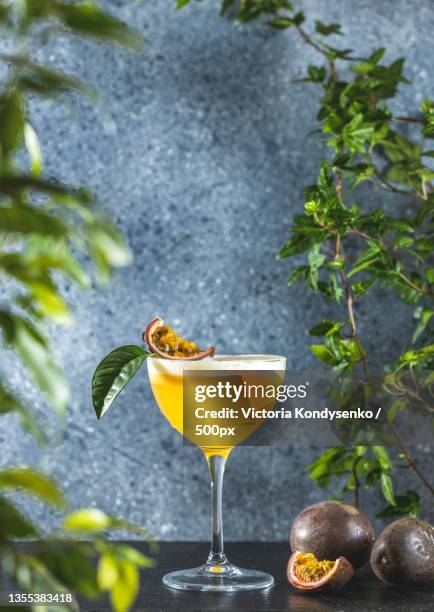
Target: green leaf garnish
{"type": "Point", "coordinates": [113, 373]}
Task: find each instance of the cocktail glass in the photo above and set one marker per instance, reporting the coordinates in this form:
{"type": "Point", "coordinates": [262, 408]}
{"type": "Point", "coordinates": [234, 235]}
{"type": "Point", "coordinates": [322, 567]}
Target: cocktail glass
{"type": "Point", "coordinates": [166, 377]}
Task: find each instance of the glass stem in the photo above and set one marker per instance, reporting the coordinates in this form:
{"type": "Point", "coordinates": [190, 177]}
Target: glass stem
{"type": "Point", "coordinates": [216, 465]}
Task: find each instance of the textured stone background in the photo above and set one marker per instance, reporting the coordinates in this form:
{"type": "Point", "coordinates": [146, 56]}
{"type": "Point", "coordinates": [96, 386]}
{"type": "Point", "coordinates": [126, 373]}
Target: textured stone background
{"type": "Point", "coordinates": [199, 150]}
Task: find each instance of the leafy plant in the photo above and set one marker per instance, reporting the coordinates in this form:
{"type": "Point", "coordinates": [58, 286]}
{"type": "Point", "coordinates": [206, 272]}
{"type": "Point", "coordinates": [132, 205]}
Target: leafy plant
{"type": "Point", "coordinates": [351, 248]}
{"type": "Point", "coordinates": [113, 373]}
{"type": "Point", "coordinates": [47, 229]}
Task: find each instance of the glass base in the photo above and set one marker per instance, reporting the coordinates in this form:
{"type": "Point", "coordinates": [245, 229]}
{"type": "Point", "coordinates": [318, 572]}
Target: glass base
{"type": "Point", "coordinates": [218, 578]}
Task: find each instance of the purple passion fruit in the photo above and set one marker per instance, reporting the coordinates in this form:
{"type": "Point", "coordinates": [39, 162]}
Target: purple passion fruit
{"type": "Point", "coordinates": [404, 553]}
{"type": "Point", "coordinates": [306, 573]}
{"type": "Point", "coordinates": [332, 529]}
{"type": "Point", "coordinates": [166, 343]}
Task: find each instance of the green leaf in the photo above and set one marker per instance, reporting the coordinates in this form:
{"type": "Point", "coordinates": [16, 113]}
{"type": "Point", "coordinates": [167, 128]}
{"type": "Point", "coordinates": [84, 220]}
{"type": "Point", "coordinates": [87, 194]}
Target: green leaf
{"type": "Point", "coordinates": [132, 554]}
{"type": "Point", "coordinates": [297, 244]}
{"type": "Point", "coordinates": [33, 350]}
{"type": "Point", "coordinates": [108, 573]}
{"type": "Point", "coordinates": [387, 488]}
{"type": "Point", "coordinates": [316, 75]}
{"type": "Point", "coordinates": [10, 403]}
{"type": "Point", "coordinates": [32, 575]}
{"type": "Point", "coordinates": [125, 589]}
{"type": "Point", "coordinates": [322, 353]}
{"type": "Point", "coordinates": [281, 23]}
{"type": "Point", "coordinates": [377, 55]}
{"type": "Point", "coordinates": [315, 260]}
{"type": "Point", "coordinates": [113, 373]}
{"type": "Point", "coordinates": [11, 122]}
{"type": "Point", "coordinates": [36, 78]}
{"type": "Point", "coordinates": [356, 133]}
{"type": "Point", "coordinates": [118, 574]}
{"type": "Point", "coordinates": [372, 254]}
{"type": "Point", "coordinates": [87, 519]}
{"type": "Point", "coordinates": [363, 175]}
{"type": "Point", "coordinates": [398, 405]}
{"type": "Point", "coordinates": [407, 504]}
{"type": "Point", "coordinates": [403, 242]}
{"type": "Point", "coordinates": [299, 273]}
{"type": "Point", "coordinates": [13, 524]}
{"type": "Point", "coordinates": [15, 184]}
{"type": "Point", "coordinates": [336, 264]}
{"type": "Point", "coordinates": [29, 221]}
{"type": "Point", "coordinates": [108, 248]}
{"type": "Point", "coordinates": [4, 13]}
{"type": "Point", "coordinates": [226, 4]}
{"type": "Point", "coordinates": [363, 68]}
{"type": "Point", "coordinates": [327, 30]}
{"type": "Point", "coordinates": [334, 53]}
{"type": "Point", "coordinates": [427, 107]}
{"type": "Point", "coordinates": [87, 18]}
{"type": "Point", "coordinates": [361, 287]}
{"type": "Point", "coordinates": [71, 565]}
{"type": "Point", "coordinates": [34, 483]}
{"type": "Point", "coordinates": [45, 254]}
{"type": "Point", "coordinates": [430, 275]}
{"type": "Point", "coordinates": [398, 225]}
{"type": "Point", "coordinates": [50, 302]}
{"type": "Point", "coordinates": [412, 358]}
{"type": "Point", "coordinates": [326, 327]}
{"type": "Point", "coordinates": [181, 3]}
{"type": "Point", "coordinates": [35, 355]}
{"type": "Point", "coordinates": [383, 458]}
{"type": "Point", "coordinates": [424, 316]}
{"type": "Point", "coordinates": [299, 17]}
{"type": "Point", "coordinates": [28, 270]}
{"type": "Point", "coordinates": [33, 149]}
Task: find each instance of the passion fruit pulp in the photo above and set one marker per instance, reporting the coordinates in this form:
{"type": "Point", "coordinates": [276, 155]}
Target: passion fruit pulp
{"type": "Point", "coordinates": [306, 573]}
{"type": "Point", "coordinates": [166, 343]}
{"type": "Point", "coordinates": [332, 529]}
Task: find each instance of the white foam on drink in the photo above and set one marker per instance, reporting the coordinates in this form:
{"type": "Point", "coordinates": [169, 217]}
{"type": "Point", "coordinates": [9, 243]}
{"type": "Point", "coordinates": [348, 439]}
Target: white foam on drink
{"type": "Point", "coordinates": [216, 363]}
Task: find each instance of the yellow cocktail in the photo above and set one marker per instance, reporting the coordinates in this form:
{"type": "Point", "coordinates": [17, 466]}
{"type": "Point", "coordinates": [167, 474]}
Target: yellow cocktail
{"type": "Point", "coordinates": [168, 378]}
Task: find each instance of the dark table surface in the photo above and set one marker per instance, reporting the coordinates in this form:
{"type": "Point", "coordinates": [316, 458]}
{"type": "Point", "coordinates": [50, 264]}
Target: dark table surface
{"type": "Point", "coordinates": [364, 593]}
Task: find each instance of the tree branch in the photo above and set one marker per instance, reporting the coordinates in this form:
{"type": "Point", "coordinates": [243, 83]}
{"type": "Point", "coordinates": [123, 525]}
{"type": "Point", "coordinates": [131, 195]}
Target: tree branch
{"type": "Point", "coordinates": [410, 460]}
{"type": "Point", "coordinates": [310, 41]}
{"type": "Point", "coordinates": [356, 482]}
{"type": "Point", "coordinates": [389, 186]}
{"type": "Point", "coordinates": [385, 184]}
{"type": "Point", "coordinates": [410, 120]}
{"type": "Point", "coordinates": [410, 284]}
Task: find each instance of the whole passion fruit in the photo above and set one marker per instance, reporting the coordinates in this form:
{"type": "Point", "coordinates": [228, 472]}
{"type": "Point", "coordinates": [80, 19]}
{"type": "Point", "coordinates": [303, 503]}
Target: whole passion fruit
{"type": "Point", "coordinates": [306, 573]}
{"type": "Point", "coordinates": [332, 529]}
{"type": "Point", "coordinates": [166, 343]}
{"type": "Point", "coordinates": [404, 553]}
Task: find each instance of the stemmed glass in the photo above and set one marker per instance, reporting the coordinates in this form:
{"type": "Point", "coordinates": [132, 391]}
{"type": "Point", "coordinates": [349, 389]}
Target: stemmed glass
{"type": "Point", "coordinates": [166, 378]}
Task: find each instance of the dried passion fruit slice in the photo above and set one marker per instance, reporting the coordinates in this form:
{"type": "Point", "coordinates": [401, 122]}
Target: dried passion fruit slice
{"type": "Point", "coordinates": [306, 573]}
{"type": "Point", "coordinates": [166, 343]}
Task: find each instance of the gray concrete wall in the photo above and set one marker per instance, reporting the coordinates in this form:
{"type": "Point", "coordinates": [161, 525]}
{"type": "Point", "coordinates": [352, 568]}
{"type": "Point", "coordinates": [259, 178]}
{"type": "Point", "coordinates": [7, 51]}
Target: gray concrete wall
{"type": "Point", "coordinates": [199, 150]}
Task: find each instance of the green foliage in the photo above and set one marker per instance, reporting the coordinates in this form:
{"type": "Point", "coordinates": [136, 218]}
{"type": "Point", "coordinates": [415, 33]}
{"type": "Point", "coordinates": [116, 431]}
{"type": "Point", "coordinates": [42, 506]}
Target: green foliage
{"type": "Point", "coordinates": [32, 482]}
{"type": "Point", "coordinates": [62, 562]}
{"type": "Point", "coordinates": [46, 230]}
{"type": "Point", "coordinates": [113, 373]}
{"type": "Point", "coordinates": [349, 249]}
{"type": "Point", "coordinates": [407, 504]}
